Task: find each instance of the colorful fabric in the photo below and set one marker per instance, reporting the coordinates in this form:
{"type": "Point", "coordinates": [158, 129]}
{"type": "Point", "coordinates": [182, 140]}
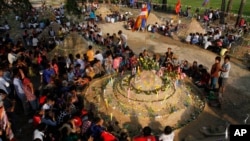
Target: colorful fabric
{"type": "Point", "coordinates": [178, 7]}
{"type": "Point", "coordinates": [27, 90]}
{"type": "Point", "coordinates": [141, 20]}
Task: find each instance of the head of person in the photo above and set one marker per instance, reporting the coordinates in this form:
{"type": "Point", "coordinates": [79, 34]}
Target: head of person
{"type": "Point", "coordinates": [217, 59]}
{"type": "Point", "coordinates": [119, 32]}
{"type": "Point", "coordinates": [98, 121]}
{"type": "Point", "coordinates": [146, 131]}
{"type": "Point", "coordinates": [227, 59]}
{"type": "Point", "coordinates": [168, 130]}
{"type": "Point", "coordinates": [90, 47]}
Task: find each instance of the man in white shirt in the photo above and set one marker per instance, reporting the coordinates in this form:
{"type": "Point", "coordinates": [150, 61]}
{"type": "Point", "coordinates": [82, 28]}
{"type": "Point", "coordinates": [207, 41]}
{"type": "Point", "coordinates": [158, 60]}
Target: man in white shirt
{"type": "Point", "coordinates": [12, 57]}
{"type": "Point", "coordinates": [34, 41]}
{"type": "Point", "coordinates": [168, 134]}
{"type": "Point", "coordinates": [224, 75]}
{"type": "Point", "coordinates": [99, 56]}
{"type": "Point", "coordinates": [207, 44]}
{"type": "Point", "coordinates": [123, 38]}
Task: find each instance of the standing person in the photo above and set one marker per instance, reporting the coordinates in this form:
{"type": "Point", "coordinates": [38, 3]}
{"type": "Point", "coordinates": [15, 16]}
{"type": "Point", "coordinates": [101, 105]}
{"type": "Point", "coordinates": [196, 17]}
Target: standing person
{"type": "Point", "coordinates": [147, 136]}
{"type": "Point", "coordinates": [5, 129]}
{"type": "Point", "coordinates": [20, 91]}
{"type": "Point", "coordinates": [29, 91]}
{"type": "Point", "coordinates": [225, 69]}
{"type": "Point", "coordinates": [215, 73]}
{"type": "Point", "coordinates": [90, 54]}
{"type": "Point", "coordinates": [168, 134]}
{"type": "Point", "coordinates": [123, 38]}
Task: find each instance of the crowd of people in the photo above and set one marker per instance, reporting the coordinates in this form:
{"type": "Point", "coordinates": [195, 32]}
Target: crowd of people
{"type": "Point", "coordinates": [218, 39]}
{"type": "Point", "coordinates": [58, 111]}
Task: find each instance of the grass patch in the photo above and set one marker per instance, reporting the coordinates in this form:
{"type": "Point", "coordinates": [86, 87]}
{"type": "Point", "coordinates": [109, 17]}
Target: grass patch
{"type": "Point", "coordinates": [215, 4]}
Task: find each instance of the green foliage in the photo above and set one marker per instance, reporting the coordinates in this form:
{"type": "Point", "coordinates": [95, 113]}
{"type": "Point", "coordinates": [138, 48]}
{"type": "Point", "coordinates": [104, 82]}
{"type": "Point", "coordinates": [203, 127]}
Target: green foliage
{"type": "Point", "coordinates": [72, 7]}
{"type": "Point", "coordinates": [148, 64]}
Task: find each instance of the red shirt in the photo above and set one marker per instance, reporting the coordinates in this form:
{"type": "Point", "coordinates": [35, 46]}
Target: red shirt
{"type": "Point", "coordinates": [144, 138]}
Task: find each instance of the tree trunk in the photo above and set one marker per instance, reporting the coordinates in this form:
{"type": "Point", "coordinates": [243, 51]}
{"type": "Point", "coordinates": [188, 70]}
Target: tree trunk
{"type": "Point", "coordinates": [164, 5]}
{"type": "Point", "coordinates": [222, 13]}
{"type": "Point", "coordinates": [240, 11]}
{"type": "Point", "coordinates": [229, 6]}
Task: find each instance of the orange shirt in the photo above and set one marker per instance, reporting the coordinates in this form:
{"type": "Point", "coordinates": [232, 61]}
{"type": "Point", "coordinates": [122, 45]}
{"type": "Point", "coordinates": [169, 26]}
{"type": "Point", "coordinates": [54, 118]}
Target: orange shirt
{"type": "Point", "coordinates": [90, 54]}
{"type": "Point", "coordinates": [215, 70]}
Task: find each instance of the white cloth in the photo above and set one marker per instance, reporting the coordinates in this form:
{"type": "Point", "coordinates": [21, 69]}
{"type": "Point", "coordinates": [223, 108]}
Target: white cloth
{"type": "Point", "coordinates": [38, 135]}
{"type": "Point", "coordinates": [12, 57]}
{"type": "Point", "coordinates": [99, 57]}
{"type": "Point", "coordinates": [165, 137]}
{"type": "Point", "coordinates": [207, 44]}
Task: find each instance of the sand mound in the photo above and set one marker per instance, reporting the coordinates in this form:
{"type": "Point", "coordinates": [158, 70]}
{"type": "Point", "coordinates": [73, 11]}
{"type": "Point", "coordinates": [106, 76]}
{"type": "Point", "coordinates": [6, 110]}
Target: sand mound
{"type": "Point", "coordinates": [45, 34]}
{"type": "Point", "coordinates": [103, 10]}
{"type": "Point", "coordinates": [193, 27]}
{"type": "Point", "coordinates": [152, 19]}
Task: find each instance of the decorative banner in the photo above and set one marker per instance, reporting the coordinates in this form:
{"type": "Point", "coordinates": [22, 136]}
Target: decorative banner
{"type": "Point", "coordinates": [178, 7]}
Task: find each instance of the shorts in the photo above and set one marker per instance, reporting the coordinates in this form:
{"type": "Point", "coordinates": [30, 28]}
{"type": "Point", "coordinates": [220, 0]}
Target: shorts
{"type": "Point", "coordinates": [222, 81]}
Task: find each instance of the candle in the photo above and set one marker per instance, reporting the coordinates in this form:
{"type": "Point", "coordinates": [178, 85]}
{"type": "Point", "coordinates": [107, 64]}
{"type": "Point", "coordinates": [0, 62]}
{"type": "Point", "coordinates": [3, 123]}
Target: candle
{"type": "Point", "coordinates": [111, 116]}
{"type": "Point", "coordinates": [128, 93]}
{"type": "Point", "coordinates": [99, 98]}
{"type": "Point", "coordinates": [106, 102]}
{"type": "Point", "coordinates": [104, 90]}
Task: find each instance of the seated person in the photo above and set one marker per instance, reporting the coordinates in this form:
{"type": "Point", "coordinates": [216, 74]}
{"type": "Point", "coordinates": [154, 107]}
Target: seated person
{"type": "Point", "coordinates": [188, 38]}
{"type": "Point", "coordinates": [149, 28]}
{"type": "Point", "coordinates": [98, 69]}
{"type": "Point", "coordinates": [185, 67]}
{"type": "Point", "coordinates": [205, 77]}
{"type": "Point", "coordinates": [90, 71]}
{"type": "Point", "coordinates": [130, 23]}
{"type": "Point", "coordinates": [146, 135]}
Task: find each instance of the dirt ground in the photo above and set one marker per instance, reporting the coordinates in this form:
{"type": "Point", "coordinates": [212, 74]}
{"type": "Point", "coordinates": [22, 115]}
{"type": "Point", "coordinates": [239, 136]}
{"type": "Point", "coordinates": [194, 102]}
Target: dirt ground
{"type": "Point", "coordinates": [236, 94]}
{"type": "Point", "coordinates": [237, 100]}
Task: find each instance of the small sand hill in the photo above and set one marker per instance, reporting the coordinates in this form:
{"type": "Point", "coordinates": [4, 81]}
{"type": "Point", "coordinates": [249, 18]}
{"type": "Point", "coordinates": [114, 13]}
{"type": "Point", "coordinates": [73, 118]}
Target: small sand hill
{"type": "Point", "coordinates": [73, 43]}
{"type": "Point", "coordinates": [104, 10]}
{"type": "Point", "coordinates": [152, 19]}
{"type": "Point", "coordinates": [45, 33]}
{"type": "Point", "coordinates": [193, 27]}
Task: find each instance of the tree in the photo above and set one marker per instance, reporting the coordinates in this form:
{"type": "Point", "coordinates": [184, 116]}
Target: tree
{"type": "Point", "coordinates": [222, 13]}
{"type": "Point", "coordinates": [164, 5]}
{"type": "Point", "coordinates": [229, 6]}
{"type": "Point", "coordinates": [240, 12]}
{"type": "Point", "coordinates": [17, 6]}
{"type": "Point", "coordinates": [72, 7]}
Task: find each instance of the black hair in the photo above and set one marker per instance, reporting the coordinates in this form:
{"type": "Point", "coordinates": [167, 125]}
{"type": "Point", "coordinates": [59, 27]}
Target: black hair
{"type": "Point", "coordinates": [168, 130]}
{"type": "Point", "coordinates": [227, 57]}
{"type": "Point", "coordinates": [146, 131]}
{"type": "Point", "coordinates": [218, 58]}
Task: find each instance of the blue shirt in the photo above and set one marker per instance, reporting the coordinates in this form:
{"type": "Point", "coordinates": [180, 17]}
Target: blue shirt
{"type": "Point", "coordinates": [47, 73]}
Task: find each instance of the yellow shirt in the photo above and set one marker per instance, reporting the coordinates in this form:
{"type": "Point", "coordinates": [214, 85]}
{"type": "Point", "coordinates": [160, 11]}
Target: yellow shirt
{"type": "Point", "coordinates": [90, 54]}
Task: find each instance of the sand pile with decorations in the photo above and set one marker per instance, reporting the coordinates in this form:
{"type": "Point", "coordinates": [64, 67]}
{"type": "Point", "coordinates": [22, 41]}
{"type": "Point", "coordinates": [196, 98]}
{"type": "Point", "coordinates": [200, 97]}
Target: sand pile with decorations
{"type": "Point", "coordinates": [193, 27]}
